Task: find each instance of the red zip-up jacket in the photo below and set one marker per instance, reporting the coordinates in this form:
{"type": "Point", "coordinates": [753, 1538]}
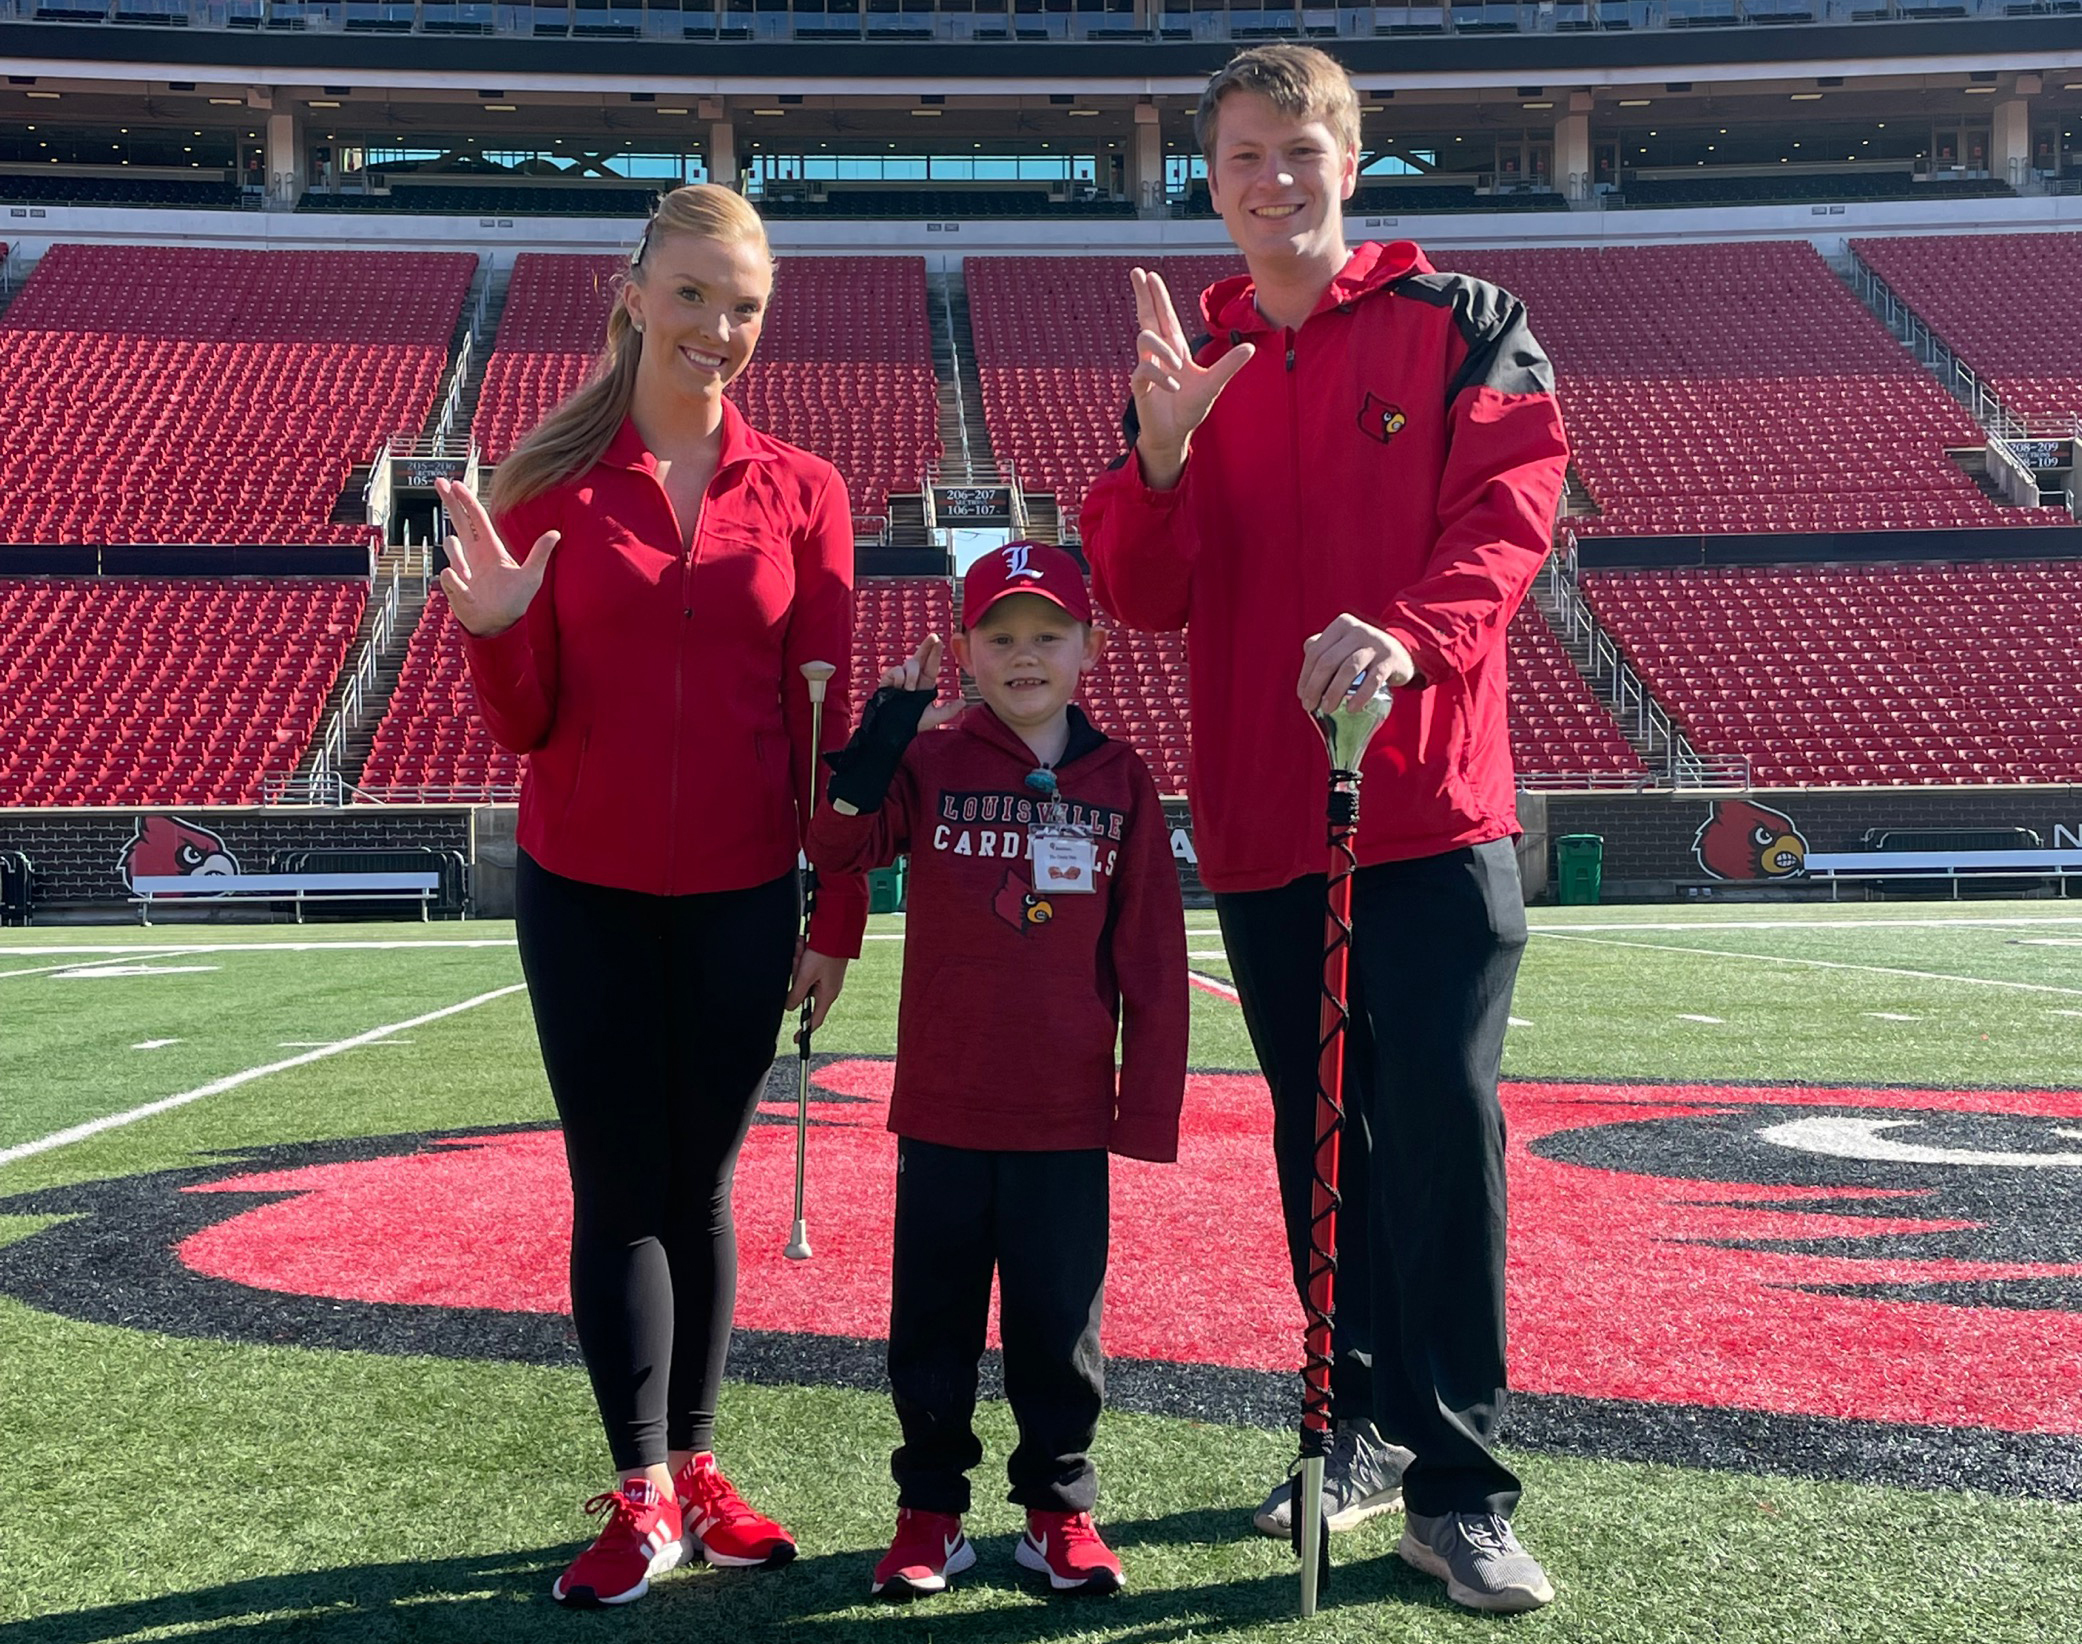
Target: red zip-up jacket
{"type": "Point", "coordinates": [1398, 456]}
{"type": "Point", "coordinates": [1013, 999]}
{"type": "Point", "coordinates": [656, 690]}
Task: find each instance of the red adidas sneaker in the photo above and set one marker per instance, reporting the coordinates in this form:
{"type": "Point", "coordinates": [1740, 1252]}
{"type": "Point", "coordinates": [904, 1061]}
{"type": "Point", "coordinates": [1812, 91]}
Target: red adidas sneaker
{"type": "Point", "coordinates": [641, 1539]}
{"type": "Point", "coordinates": [1067, 1549]}
{"type": "Point", "coordinates": [929, 1547]}
{"type": "Point", "coordinates": [720, 1527]}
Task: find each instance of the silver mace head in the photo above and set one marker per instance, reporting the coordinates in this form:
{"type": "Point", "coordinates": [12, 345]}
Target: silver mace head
{"type": "Point", "coordinates": [1350, 726]}
{"type": "Point", "coordinates": [817, 675]}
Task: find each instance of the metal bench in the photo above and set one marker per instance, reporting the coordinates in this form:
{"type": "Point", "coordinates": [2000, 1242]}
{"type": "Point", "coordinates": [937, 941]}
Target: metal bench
{"type": "Point", "coordinates": [298, 888]}
{"type": "Point", "coordinates": [1956, 866]}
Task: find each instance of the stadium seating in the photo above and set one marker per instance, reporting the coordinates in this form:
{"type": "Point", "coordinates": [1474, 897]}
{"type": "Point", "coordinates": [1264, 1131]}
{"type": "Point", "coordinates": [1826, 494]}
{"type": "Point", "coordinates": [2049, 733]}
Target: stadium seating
{"type": "Point", "coordinates": [1741, 388]}
{"type": "Point", "coordinates": [1706, 388]}
{"type": "Point", "coordinates": [157, 395]}
{"type": "Point", "coordinates": [2009, 305]}
{"type": "Point", "coordinates": [493, 200]}
{"type": "Point", "coordinates": [1558, 725]}
{"type": "Point", "coordinates": [1054, 343]}
{"type": "Point", "coordinates": [1777, 188]}
{"type": "Point", "coordinates": [844, 366]}
{"type": "Point", "coordinates": [430, 736]}
{"type": "Point", "coordinates": [63, 188]}
{"type": "Point", "coordinates": [117, 691]}
{"type": "Point", "coordinates": [1954, 674]}
{"type": "Point", "coordinates": [981, 204]}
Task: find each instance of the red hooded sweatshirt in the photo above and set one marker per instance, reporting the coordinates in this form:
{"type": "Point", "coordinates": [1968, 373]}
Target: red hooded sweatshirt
{"type": "Point", "coordinates": [1398, 456]}
{"type": "Point", "coordinates": [1013, 1000]}
{"type": "Point", "coordinates": [655, 689]}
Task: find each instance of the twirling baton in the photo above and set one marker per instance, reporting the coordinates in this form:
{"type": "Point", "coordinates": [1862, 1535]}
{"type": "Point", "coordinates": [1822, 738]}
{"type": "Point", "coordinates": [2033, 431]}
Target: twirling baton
{"type": "Point", "coordinates": [817, 675]}
{"type": "Point", "coordinates": [1346, 732]}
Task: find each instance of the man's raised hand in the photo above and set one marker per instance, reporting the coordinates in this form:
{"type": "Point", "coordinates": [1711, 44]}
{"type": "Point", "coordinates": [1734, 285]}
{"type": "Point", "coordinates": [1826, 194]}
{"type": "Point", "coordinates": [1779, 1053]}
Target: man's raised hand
{"type": "Point", "coordinates": [486, 588]}
{"type": "Point", "coordinates": [1172, 393]}
{"type": "Point", "coordinates": [920, 671]}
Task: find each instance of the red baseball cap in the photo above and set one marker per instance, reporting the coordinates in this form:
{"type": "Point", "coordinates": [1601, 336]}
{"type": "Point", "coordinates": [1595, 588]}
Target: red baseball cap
{"type": "Point", "coordinates": [1024, 568]}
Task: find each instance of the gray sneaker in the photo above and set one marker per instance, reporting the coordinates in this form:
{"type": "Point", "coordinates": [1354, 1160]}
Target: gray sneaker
{"type": "Point", "coordinates": [1362, 1476]}
{"type": "Point", "coordinates": [1478, 1558]}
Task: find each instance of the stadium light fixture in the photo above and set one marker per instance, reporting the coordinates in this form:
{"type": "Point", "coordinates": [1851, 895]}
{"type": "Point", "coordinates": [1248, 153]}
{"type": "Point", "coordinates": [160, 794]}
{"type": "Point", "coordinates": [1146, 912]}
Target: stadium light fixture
{"type": "Point", "coordinates": [1807, 96]}
{"type": "Point", "coordinates": [1536, 105]}
{"type": "Point", "coordinates": [672, 111]}
{"type": "Point", "coordinates": [770, 111]}
{"type": "Point", "coordinates": [926, 113]}
{"type": "Point", "coordinates": [1083, 113]}
{"type": "Point", "coordinates": [42, 96]}
{"type": "Point", "coordinates": [227, 102]}
{"type": "Point", "coordinates": [1980, 91]}
{"type": "Point", "coordinates": [319, 102]}
{"type": "Point", "coordinates": [502, 108]}
{"type": "Point", "coordinates": [1635, 102]}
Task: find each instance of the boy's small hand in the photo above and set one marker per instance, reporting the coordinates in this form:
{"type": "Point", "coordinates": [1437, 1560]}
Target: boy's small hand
{"type": "Point", "coordinates": [921, 672]}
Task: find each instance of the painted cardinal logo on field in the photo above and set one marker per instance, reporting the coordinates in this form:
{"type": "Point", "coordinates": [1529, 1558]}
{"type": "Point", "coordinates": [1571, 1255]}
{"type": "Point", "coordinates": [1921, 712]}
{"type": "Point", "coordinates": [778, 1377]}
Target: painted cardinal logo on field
{"type": "Point", "coordinates": [165, 847]}
{"type": "Point", "coordinates": [1745, 840]}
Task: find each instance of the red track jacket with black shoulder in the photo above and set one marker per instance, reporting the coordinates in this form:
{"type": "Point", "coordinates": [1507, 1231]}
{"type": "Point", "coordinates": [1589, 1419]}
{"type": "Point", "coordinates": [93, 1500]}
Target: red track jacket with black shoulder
{"type": "Point", "coordinates": [1399, 456]}
{"type": "Point", "coordinates": [655, 687]}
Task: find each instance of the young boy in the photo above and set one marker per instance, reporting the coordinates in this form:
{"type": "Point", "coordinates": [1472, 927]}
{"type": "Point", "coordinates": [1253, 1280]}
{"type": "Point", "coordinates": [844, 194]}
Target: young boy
{"type": "Point", "coordinates": [1345, 475]}
{"type": "Point", "coordinates": [1044, 920]}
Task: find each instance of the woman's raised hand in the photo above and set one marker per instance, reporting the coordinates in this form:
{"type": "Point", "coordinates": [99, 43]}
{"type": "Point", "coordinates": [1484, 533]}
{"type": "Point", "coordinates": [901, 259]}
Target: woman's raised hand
{"type": "Point", "coordinates": [486, 588]}
{"type": "Point", "coordinates": [1172, 393]}
{"type": "Point", "coordinates": [921, 672]}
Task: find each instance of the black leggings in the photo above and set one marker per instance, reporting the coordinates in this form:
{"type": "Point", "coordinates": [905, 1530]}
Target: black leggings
{"type": "Point", "coordinates": [658, 1017]}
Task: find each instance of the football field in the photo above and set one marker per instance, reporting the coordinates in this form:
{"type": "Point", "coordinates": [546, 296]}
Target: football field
{"type": "Point", "coordinates": [1796, 1301]}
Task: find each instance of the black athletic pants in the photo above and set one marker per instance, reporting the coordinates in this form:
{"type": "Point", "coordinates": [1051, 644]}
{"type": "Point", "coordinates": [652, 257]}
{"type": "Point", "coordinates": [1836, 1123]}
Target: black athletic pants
{"type": "Point", "coordinates": [1039, 1219]}
{"type": "Point", "coordinates": [1419, 1342]}
{"type": "Point", "coordinates": [658, 1017]}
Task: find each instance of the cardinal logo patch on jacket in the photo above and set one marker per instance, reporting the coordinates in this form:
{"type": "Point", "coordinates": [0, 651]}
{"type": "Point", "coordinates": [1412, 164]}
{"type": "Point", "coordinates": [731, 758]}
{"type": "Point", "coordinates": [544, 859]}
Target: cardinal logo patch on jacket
{"type": "Point", "coordinates": [1379, 420]}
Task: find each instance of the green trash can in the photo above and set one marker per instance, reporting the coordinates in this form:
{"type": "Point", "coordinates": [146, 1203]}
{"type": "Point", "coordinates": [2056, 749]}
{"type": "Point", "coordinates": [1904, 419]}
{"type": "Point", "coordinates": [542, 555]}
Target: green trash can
{"type": "Point", "coordinates": [886, 887]}
{"type": "Point", "coordinates": [1579, 868]}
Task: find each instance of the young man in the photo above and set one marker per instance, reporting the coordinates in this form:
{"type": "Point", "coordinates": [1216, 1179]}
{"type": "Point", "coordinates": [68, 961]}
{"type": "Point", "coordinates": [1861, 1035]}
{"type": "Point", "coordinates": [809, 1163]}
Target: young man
{"type": "Point", "coordinates": [1044, 923]}
{"type": "Point", "coordinates": [1349, 482]}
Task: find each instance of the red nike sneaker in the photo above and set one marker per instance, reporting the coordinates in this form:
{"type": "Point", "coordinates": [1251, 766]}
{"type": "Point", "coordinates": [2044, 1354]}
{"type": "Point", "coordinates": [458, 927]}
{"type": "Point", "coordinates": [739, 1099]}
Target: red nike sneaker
{"type": "Point", "coordinates": [1067, 1549]}
{"type": "Point", "coordinates": [641, 1539]}
{"type": "Point", "coordinates": [929, 1547]}
{"type": "Point", "coordinates": [720, 1527]}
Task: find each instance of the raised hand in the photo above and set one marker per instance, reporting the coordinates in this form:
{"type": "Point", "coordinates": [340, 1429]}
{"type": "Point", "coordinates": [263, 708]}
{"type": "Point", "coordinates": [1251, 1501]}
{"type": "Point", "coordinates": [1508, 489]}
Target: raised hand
{"type": "Point", "coordinates": [486, 588]}
{"type": "Point", "coordinates": [921, 672]}
{"type": "Point", "coordinates": [1172, 394]}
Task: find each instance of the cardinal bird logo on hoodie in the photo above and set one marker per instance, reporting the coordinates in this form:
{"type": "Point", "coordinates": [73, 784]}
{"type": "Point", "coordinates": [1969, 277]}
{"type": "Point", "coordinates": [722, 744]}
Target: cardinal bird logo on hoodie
{"type": "Point", "coordinates": [165, 847]}
{"type": "Point", "coordinates": [1745, 840]}
{"type": "Point", "coordinates": [1017, 904]}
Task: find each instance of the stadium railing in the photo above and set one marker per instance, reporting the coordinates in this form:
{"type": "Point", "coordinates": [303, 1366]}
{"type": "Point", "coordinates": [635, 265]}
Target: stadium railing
{"type": "Point", "coordinates": [1093, 20]}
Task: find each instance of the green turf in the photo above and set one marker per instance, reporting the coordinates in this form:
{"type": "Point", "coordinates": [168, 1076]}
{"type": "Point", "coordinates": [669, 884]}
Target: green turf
{"type": "Point", "coordinates": [172, 1488]}
{"type": "Point", "coordinates": [154, 1488]}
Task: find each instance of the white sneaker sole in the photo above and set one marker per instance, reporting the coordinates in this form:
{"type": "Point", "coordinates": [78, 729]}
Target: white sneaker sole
{"type": "Point", "coordinates": [903, 1587]}
{"type": "Point", "coordinates": [1513, 1601]}
{"type": "Point", "coordinates": [1028, 1557]}
{"type": "Point", "coordinates": [667, 1558]}
{"type": "Point", "coordinates": [1349, 1518]}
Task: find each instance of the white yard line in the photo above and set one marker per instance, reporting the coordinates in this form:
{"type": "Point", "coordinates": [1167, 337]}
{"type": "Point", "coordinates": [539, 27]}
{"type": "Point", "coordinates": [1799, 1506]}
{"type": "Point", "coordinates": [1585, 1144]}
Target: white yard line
{"type": "Point", "coordinates": [75, 964]}
{"type": "Point", "coordinates": [1710, 1021]}
{"type": "Point", "coordinates": [162, 951]}
{"type": "Point", "coordinates": [1817, 964]}
{"type": "Point", "coordinates": [1988, 921]}
{"type": "Point", "coordinates": [94, 1127]}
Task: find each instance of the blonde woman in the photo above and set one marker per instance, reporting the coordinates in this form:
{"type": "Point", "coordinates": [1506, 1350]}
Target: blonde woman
{"type": "Point", "coordinates": [645, 656]}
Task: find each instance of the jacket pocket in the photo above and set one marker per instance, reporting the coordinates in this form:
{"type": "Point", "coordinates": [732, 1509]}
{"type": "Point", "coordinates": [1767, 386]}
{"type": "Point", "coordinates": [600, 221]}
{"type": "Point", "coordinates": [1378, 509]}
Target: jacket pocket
{"type": "Point", "coordinates": [578, 777]}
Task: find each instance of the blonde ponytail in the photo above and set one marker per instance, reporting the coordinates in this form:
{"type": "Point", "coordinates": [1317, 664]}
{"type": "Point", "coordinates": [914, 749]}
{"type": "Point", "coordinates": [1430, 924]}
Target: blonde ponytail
{"type": "Point", "coordinates": [578, 431]}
